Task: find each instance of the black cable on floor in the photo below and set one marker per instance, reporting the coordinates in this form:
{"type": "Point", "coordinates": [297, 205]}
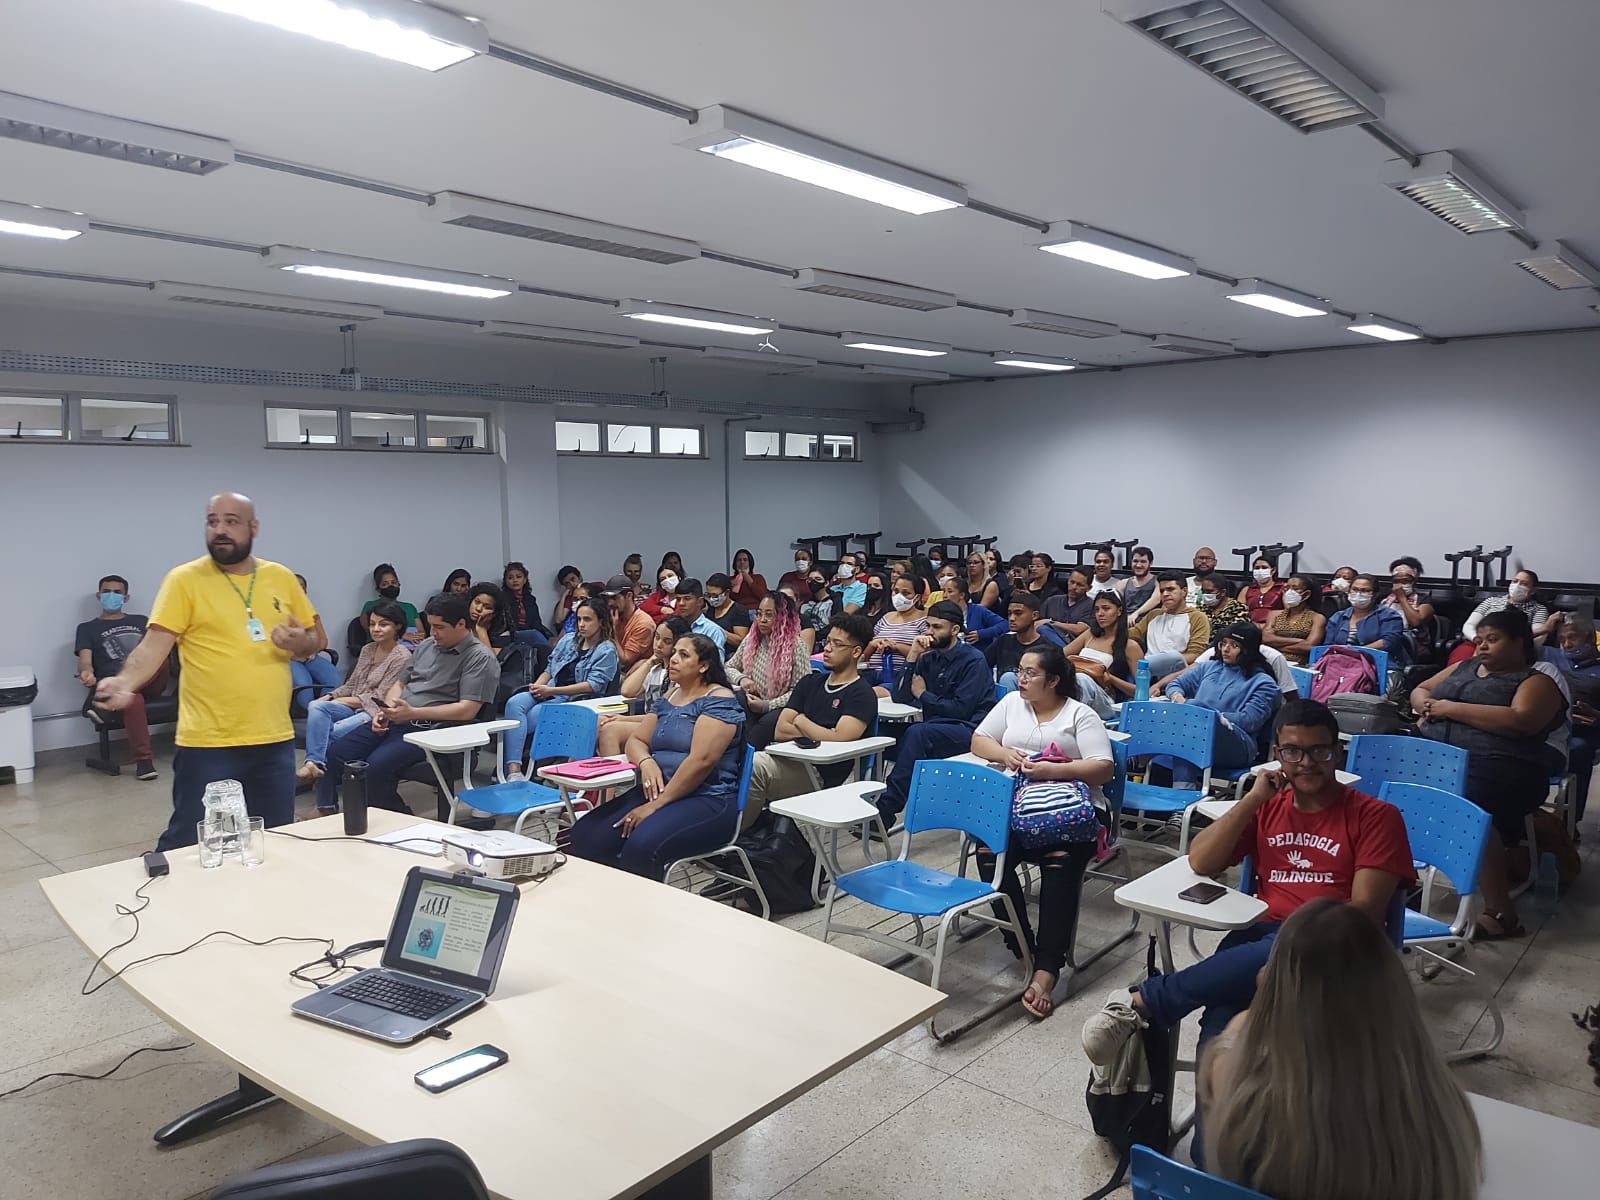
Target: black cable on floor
{"type": "Point", "coordinates": [103, 1074]}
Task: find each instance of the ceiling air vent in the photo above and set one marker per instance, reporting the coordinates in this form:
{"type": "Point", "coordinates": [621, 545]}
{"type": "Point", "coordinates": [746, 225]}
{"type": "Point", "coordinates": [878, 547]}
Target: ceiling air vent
{"type": "Point", "coordinates": [873, 291]}
{"type": "Point", "coordinates": [292, 306]}
{"type": "Point", "coordinates": [534, 224]}
{"type": "Point", "coordinates": [1047, 322]}
{"type": "Point", "coordinates": [1444, 186]}
{"type": "Point", "coordinates": [559, 335]}
{"type": "Point", "coordinates": [1259, 54]}
{"type": "Point", "coordinates": [1171, 343]}
{"type": "Point", "coordinates": [1553, 263]}
{"type": "Point", "coordinates": [25, 119]}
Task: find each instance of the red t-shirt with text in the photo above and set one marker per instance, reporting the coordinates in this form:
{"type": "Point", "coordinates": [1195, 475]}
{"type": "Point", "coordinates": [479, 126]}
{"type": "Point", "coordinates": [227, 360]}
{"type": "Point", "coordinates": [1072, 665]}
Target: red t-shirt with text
{"type": "Point", "coordinates": [1302, 856]}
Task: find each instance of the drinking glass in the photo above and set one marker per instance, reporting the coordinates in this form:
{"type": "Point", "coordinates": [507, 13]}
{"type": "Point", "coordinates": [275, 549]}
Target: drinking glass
{"type": "Point", "coordinates": [211, 839]}
{"type": "Point", "coordinates": [253, 843]}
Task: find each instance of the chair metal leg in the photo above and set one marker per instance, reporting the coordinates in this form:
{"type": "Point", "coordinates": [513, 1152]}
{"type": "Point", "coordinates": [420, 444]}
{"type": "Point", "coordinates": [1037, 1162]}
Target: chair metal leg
{"type": "Point", "coordinates": [996, 1006]}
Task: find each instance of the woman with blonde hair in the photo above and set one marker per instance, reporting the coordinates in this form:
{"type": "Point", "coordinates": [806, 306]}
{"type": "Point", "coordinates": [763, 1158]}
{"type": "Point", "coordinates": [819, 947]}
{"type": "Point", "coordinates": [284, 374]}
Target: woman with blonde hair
{"type": "Point", "coordinates": [1329, 1086]}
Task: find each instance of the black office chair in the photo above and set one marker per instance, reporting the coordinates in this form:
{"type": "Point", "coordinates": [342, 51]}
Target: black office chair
{"type": "Point", "coordinates": [420, 1169]}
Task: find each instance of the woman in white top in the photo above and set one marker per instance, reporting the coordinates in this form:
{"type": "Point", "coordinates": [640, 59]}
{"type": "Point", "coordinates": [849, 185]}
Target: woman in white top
{"type": "Point", "coordinates": [1104, 651]}
{"type": "Point", "coordinates": [1042, 712]}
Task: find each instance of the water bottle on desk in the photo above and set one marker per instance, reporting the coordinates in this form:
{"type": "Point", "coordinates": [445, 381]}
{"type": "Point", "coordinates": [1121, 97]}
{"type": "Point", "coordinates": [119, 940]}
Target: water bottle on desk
{"type": "Point", "coordinates": [226, 819]}
{"type": "Point", "coordinates": [353, 799]}
{"type": "Point", "coordinates": [1141, 681]}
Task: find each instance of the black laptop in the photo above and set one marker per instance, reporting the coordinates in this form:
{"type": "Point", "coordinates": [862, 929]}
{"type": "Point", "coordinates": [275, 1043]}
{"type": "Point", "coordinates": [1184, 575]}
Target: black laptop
{"type": "Point", "coordinates": [442, 959]}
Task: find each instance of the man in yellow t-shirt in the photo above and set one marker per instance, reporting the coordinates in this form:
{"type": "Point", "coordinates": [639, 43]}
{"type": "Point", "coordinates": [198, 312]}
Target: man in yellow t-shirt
{"type": "Point", "coordinates": [237, 621]}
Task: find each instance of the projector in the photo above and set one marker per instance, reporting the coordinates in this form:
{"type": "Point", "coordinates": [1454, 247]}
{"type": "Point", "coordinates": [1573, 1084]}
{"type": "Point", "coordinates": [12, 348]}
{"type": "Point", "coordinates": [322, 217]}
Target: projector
{"type": "Point", "coordinates": [499, 853]}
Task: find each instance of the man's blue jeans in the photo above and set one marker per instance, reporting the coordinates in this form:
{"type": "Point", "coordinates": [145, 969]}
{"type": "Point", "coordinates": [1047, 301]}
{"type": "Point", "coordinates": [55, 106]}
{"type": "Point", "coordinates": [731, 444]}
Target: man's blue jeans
{"type": "Point", "coordinates": [388, 755]}
{"type": "Point", "coordinates": [267, 773]}
{"type": "Point", "coordinates": [1223, 984]}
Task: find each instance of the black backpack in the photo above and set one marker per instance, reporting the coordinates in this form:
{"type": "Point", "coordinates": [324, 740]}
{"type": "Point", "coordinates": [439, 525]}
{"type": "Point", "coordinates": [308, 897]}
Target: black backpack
{"type": "Point", "coordinates": [783, 861]}
{"type": "Point", "coordinates": [1135, 1110]}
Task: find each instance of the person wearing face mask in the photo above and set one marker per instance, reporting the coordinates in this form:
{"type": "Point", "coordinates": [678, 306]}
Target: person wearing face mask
{"type": "Point", "coordinates": [1519, 595]}
{"type": "Point", "coordinates": [895, 631]}
{"type": "Point", "coordinates": [1365, 624]}
{"type": "Point", "coordinates": [849, 592]}
{"type": "Point", "coordinates": [950, 682]}
{"type": "Point", "coordinates": [1337, 594]}
{"type": "Point", "coordinates": [731, 617]}
{"type": "Point", "coordinates": [1296, 627]}
{"type": "Point", "coordinates": [1414, 609]}
{"type": "Point", "coordinates": [386, 582]}
{"type": "Point", "coordinates": [101, 645]}
{"type": "Point", "coordinates": [633, 568]}
{"type": "Point", "coordinates": [1264, 596]}
{"type": "Point", "coordinates": [1221, 606]}
{"type": "Point", "coordinates": [877, 602]}
{"type": "Point", "coordinates": [817, 609]}
{"type": "Point", "coordinates": [663, 602]}
{"type": "Point", "coordinates": [797, 577]}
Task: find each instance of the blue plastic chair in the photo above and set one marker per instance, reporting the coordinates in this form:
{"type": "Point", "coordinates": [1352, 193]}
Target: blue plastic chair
{"type": "Point", "coordinates": [1447, 833]}
{"type": "Point", "coordinates": [1380, 660]}
{"type": "Point", "coordinates": [976, 802]}
{"type": "Point", "coordinates": [565, 731]}
{"type": "Point", "coordinates": [1381, 758]}
{"type": "Point", "coordinates": [746, 882]}
{"type": "Point", "coordinates": [1157, 1177]}
{"type": "Point", "coordinates": [1303, 679]}
{"type": "Point", "coordinates": [1184, 731]}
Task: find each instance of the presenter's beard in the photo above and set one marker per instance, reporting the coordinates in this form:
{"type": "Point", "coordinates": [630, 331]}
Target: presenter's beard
{"type": "Point", "coordinates": [226, 552]}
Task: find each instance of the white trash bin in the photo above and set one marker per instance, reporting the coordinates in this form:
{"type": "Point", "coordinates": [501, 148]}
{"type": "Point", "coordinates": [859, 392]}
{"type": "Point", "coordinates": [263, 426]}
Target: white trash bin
{"type": "Point", "coordinates": [16, 722]}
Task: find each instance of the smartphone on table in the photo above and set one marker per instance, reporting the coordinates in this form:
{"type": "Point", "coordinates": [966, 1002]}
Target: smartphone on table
{"type": "Point", "coordinates": [1203, 893]}
{"type": "Point", "coordinates": [443, 1076]}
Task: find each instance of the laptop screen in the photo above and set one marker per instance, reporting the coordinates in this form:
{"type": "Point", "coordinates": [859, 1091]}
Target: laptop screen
{"type": "Point", "coordinates": [451, 927]}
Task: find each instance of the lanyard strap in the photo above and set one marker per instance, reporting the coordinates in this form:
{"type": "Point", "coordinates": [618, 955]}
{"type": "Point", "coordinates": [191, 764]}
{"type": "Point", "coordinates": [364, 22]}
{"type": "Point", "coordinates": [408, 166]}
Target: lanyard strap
{"type": "Point", "coordinates": [246, 599]}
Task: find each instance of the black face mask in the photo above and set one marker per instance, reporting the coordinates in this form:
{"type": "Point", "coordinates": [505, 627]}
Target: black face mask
{"type": "Point", "coordinates": [874, 595]}
{"type": "Point", "coordinates": [390, 593]}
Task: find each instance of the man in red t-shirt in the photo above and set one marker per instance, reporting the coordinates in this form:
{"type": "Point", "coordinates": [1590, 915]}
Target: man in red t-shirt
{"type": "Point", "coordinates": [1308, 836]}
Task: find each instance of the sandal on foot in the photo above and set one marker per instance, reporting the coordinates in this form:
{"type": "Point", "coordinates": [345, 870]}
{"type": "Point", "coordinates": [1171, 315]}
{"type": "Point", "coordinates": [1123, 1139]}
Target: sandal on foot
{"type": "Point", "coordinates": [1504, 925]}
{"type": "Point", "coordinates": [1041, 1005]}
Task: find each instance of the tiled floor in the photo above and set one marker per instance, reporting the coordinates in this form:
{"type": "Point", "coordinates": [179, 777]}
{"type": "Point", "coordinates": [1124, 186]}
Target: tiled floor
{"type": "Point", "coordinates": [1000, 1112]}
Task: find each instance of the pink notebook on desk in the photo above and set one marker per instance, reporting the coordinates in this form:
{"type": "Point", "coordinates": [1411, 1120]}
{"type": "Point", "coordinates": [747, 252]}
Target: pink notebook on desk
{"type": "Point", "coordinates": [592, 768]}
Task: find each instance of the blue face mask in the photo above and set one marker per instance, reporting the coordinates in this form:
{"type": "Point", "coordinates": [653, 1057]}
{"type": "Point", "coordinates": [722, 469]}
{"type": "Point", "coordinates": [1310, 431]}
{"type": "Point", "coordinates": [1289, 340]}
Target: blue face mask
{"type": "Point", "coordinates": [112, 601]}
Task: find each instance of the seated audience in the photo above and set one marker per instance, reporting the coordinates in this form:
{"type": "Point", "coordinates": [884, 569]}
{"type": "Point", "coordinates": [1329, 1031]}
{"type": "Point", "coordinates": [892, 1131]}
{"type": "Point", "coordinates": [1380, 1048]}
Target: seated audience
{"type": "Point", "coordinates": [690, 752]}
{"type": "Point", "coordinates": [981, 588]}
{"type": "Point", "coordinates": [1004, 654]}
{"type": "Point", "coordinates": [1499, 709]}
{"type": "Point", "coordinates": [1220, 603]}
{"type": "Point", "coordinates": [772, 660]}
{"type": "Point", "coordinates": [1265, 594]}
{"type": "Point", "coordinates": [355, 702]}
{"type": "Point", "coordinates": [981, 626]}
{"type": "Point", "coordinates": [674, 560]}
{"type": "Point", "coordinates": [1364, 624]}
{"type": "Point", "coordinates": [849, 593]}
{"type": "Point", "coordinates": [448, 679]}
{"type": "Point", "coordinates": [1296, 628]}
{"type": "Point", "coordinates": [839, 706]}
{"type": "Point", "coordinates": [458, 581]}
{"type": "Point", "coordinates": [935, 558]}
{"type": "Point", "coordinates": [1067, 615]}
{"type": "Point", "coordinates": [1139, 590]}
{"type": "Point", "coordinates": [569, 579]}
{"type": "Point", "coordinates": [1415, 610]}
{"type": "Point", "coordinates": [926, 577]}
{"type": "Point", "coordinates": [816, 604]}
{"type": "Point", "coordinates": [1101, 581]}
{"type": "Point", "coordinates": [1519, 595]}
{"type": "Point", "coordinates": [1337, 594]}
{"type": "Point", "coordinates": [1298, 1094]}
{"type": "Point", "coordinates": [633, 568]}
{"type": "Point", "coordinates": [314, 674]}
{"type": "Point", "coordinates": [732, 619]}
{"type": "Point", "coordinates": [101, 645]}
{"type": "Point", "coordinates": [1276, 663]}
{"type": "Point", "coordinates": [634, 630]}
{"type": "Point", "coordinates": [663, 602]}
{"type": "Point", "coordinates": [1308, 837]}
{"type": "Point", "coordinates": [1041, 580]}
{"type": "Point", "coordinates": [522, 606]}
{"type": "Point", "coordinates": [646, 682]}
{"type": "Point", "coordinates": [950, 682]}
{"type": "Point", "coordinates": [1174, 634]}
{"type": "Point", "coordinates": [386, 582]}
{"type": "Point", "coordinates": [1104, 652]}
{"type": "Point", "coordinates": [583, 664]}
{"type": "Point", "coordinates": [692, 608]}
{"type": "Point", "coordinates": [1240, 688]}
{"type": "Point", "coordinates": [1205, 562]}
{"type": "Point", "coordinates": [999, 575]}
{"type": "Point", "coordinates": [796, 578]}
{"type": "Point", "coordinates": [748, 587]}
{"type": "Point", "coordinates": [877, 602]}
{"type": "Point", "coordinates": [894, 632]}
{"type": "Point", "coordinates": [579, 592]}
{"type": "Point", "coordinates": [1042, 715]}
{"type": "Point", "coordinates": [486, 614]}
{"type": "Point", "coordinates": [1579, 660]}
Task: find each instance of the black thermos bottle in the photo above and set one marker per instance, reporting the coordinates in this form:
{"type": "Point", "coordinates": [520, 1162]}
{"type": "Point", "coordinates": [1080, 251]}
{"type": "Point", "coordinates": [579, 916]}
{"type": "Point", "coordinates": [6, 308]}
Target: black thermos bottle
{"type": "Point", "coordinates": [354, 799]}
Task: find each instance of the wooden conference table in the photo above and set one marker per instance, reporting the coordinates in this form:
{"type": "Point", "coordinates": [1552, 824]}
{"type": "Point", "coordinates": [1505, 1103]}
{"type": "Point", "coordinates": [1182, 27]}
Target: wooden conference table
{"type": "Point", "coordinates": [645, 1025]}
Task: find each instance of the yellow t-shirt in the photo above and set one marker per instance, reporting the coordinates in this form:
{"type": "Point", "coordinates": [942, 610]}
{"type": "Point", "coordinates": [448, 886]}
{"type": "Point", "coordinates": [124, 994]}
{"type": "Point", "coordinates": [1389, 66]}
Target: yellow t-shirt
{"type": "Point", "coordinates": [232, 691]}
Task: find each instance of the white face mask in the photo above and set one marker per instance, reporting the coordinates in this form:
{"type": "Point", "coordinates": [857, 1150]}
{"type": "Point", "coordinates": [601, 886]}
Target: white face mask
{"type": "Point", "coordinates": [1341, 584]}
{"type": "Point", "coordinates": [901, 602]}
{"type": "Point", "coordinates": [1261, 575]}
{"type": "Point", "coordinates": [1209, 599]}
{"type": "Point", "coordinates": [1360, 599]}
{"type": "Point", "coordinates": [1292, 597]}
{"type": "Point", "coordinates": [1517, 592]}
{"type": "Point", "coordinates": [846, 570]}
{"type": "Point", "coordinates": [669, 584]}
{"type": "Point", "coordinates": [802, 564]}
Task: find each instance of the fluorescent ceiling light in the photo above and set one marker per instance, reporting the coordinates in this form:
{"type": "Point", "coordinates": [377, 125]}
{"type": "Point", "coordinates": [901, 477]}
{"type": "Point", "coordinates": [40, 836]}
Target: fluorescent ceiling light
{"type": "Point", "coordinates": [387, 274]}
{"type": "Point", "coordinates": [1047, 322]}
{"type": "Point", "coordinates": [873, 291]}
{"type": "Point", "coordinates": [1258, 293]}
{"type": "Point", "coordinates": [294, 306]}
{"type": "Point", "coordinates": [1071, 240]}
{"type": "Point", "coordinates": [903, 372]}
{"type": "Point", "coordinates": [739, 137]}
{"type": "Point", "coordinates": [1560, 267]}
{"type": "Point", "coordinates": [758, 357]}
{"type": "Point", "coordinates": [694, 318]}
{"type": "Point", "coordinates": [493, 216]}
{"type": "Point", "coordinates": [1033, 362]}
{"type": "Point", "coordinates": [1385, 330]}
{"type": "Point", "coordinates": [404, 31]}
{"type": "Point", "coordinates": [1248, 47]}
{"type": "Point", "coordinates": [27, 220]}
{"type": "Point", "coordinates": [892, 345]}
{"type": "Point", "coordinates": [25, 119]}
{"type": "Point", "coordinates": [559, 335]}
{"type": "Point", "coordinates": [1174, 344]}
{"type": "Point", "coordinates": [1446, 187]}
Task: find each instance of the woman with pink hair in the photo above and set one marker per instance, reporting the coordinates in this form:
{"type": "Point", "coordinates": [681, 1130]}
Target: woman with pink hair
{"type": "Point", "coordinates": [771, 659]}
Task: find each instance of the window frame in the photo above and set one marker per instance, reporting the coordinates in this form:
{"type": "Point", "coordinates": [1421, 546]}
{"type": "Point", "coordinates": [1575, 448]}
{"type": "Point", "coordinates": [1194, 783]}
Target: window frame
{"type": "Point", "coordinates": [654, 452]}
{"type": "Point", "coordinates": [342, 414]}
{"type": "Point", "coordinates": [72, 431]}
{"type": "Point", "coordinates": [819, 435]}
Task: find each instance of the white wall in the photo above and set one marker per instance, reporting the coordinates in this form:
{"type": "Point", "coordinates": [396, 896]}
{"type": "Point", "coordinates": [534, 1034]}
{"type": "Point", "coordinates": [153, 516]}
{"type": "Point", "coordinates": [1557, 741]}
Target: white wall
{"type": "Point", "coordinates": [1445, 446]}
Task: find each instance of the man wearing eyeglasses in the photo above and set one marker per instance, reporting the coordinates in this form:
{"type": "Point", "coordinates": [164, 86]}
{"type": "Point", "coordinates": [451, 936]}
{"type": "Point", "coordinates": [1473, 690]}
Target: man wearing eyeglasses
{"type": "Point", "coordinates": [1308, 836]}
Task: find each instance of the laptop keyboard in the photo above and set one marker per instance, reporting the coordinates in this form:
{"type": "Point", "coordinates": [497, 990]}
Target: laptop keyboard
{"type": "Point", "coordinates": [385, 991]}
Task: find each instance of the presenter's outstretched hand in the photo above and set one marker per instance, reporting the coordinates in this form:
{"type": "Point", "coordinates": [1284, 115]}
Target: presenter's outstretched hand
{"type": "Point", "coordinates": [113, 693]}
{"type": "Point", "coordinates": [290, 635]}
